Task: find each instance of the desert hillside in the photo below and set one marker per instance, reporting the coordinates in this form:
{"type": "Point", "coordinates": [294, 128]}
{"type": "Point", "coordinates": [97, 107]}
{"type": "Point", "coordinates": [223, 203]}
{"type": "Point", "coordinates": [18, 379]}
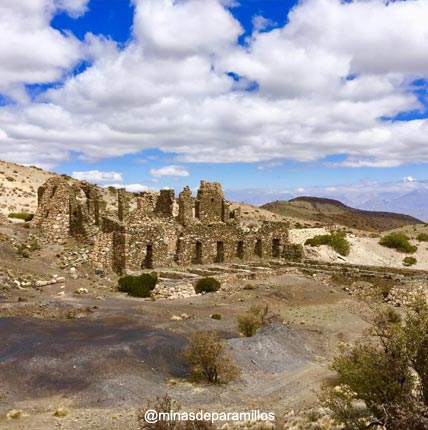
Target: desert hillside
{"type": "Point", "coordinates": [328, 211]}
{"type": "Point", "coordinates": [18, 187]}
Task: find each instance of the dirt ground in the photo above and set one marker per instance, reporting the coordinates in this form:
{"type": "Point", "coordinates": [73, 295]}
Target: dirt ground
{"type": "Point", "coordinates": [102, 355]}
{"type": "Point", "coordinates": [114, 355]}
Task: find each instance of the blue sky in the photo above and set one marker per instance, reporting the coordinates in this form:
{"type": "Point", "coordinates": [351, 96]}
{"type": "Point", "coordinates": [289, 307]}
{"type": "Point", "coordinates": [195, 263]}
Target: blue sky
{"type": "Point", "coordinates": [269, 94]}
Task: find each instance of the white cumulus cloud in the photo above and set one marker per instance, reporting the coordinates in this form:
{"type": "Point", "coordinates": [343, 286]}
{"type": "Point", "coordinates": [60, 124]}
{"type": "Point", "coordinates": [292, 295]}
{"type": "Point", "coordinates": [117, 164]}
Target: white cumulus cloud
{"type": "Point", "coordinates": [133, 188]}
{"type": "Point", "coordinates": [323, 84]}
{"type": "Point", "coordinates": [169, 171]}
{"type": "Point", "coordinates": [31, 51]}
{"type": "Point", "coordinates": [97, 176]}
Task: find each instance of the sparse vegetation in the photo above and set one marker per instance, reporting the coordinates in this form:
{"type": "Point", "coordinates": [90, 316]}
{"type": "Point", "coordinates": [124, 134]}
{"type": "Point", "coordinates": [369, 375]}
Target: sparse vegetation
{"type": "Point", "coordinates": [398, 241]}
{"type": "Point", "coordinates": [207, 358]}
{"type": "Point", "coordinates": [21, 215]}
{"type": "Point", "coordinates": [15, 414]}
{"type": "Point", "coordinates": [138, 286]}
{"type": "Point", "coordinates": [61, 413]}
{"type": "Point", "coordinates": [252, 319]}
{"type": "Point", "coordinates": [383, 381]}
{"type": "Point", "coordinates": [422, 237]}
{"type": "Point", "coordinates": [249, 287]}
{"type": "Point", "coordinates": [215, 316]}
{"type": "Point", "coordinates": [207, 285]}
{"type": "Point", "coordinates": [409, 261]}
{"type": "Point", "coordinates": [336, 240]}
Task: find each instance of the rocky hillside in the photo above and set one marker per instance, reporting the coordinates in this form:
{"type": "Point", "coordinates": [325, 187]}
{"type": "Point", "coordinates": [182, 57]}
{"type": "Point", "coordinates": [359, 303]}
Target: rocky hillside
{"type": "Point", "coordinates": [328, 211]}
{"type": "Point", "coordinates": [18, 187]}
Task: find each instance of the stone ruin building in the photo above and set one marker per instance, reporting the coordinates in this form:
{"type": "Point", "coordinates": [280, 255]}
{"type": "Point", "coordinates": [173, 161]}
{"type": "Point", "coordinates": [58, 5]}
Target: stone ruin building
{"type": "Point", "coordinates": [156, 229]}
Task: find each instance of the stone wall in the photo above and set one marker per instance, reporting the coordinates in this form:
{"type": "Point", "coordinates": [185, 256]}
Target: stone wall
{"type": "Point", "coordinates": [150, 245]}
{"type": "Point", "coordinates": [204, 231]}
{"type": "Point", "coordinates": [226, 243]}
{"type": "Point", "coordinates": [66, 210]}
{"type": "Point", "coordinates": [122, 204]}
{"type": "Point", "coordinates": [209, 205]}
{"type": "Point", "coordinates": [186, 206]}
{"type": "Point", "coordinates": [52, 218]}
{"type": "Point", "coordinates": [165, 203]}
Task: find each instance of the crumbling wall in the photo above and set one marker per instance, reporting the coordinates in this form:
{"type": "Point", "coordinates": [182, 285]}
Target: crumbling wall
{"type": "Point", "coordinates": [86, 207]}
{"type": "Point", "coordinates": [150, 245]}
{"type": "Point", "coordinates": [210, 203]}
{"type": "Point", "coordinates": [165, 203]}
{"type": "Point", "coordinates": [146, 204]}
{"type": "Point", "coordinates": [66, 210]}
{"type": "Point", "coordinates": [52, 218]}
{"type": "Point", "coordinates": [109, 250]}
{"type": "Point", "coordinates": [186, 205]}
{"type": "Point", "coordinates": [122, 204]}
{"type": "Point", "coordinates": [218, 243]}
{"type": "Point", "coordinates": [204, 231]}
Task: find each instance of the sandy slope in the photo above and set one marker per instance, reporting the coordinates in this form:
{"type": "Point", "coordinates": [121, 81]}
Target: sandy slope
{"type": "Point", "coordinates": [364, 251]}
{"type": "Point", "coordinates": [18, 187]}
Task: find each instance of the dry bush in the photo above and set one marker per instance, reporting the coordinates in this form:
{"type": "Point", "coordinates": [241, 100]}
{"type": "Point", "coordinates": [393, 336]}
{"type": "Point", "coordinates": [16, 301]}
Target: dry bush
{"type": "Point", "coordinates": [254, 318]}
{"type": "Point", "coordinates": [208, 359]}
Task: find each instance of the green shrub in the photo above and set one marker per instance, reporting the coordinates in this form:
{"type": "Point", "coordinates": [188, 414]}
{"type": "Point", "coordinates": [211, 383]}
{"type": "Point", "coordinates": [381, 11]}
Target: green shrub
{"type": "Point", "coordinates": [207, 285]}
{"type": "Point", "coordinates": [398, 241]}
{"type": "Point", "coordinates": [34, 245]}
{"type": "Point", "coordinates": [382, 381]}
{"type": "Point", "coordinates": [409, 261]}
{"type": "Point", "coordinates": [138, 286]}
{"type": "Point", "coordinates": [215, 316]}
{"type": "Point", "coordinates": [23, 251]}
{"type": "Point", "coordinates": [249, 287]}
{"type": "Point", "coordinates": [336, 240]}
{"type": "Point", "coordinates": [22, 215]}
{"type": "Point", "coordinates": [422, 237]}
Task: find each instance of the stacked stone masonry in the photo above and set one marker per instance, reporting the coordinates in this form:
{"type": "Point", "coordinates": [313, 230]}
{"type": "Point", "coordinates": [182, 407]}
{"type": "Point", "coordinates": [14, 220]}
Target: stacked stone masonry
{"type": "Point", "coordinates": [202, 230]}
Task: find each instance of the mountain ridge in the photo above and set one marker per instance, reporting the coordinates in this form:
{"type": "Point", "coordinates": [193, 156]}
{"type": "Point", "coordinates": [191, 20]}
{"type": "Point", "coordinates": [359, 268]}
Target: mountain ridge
{"type": "Point", "coordinates": [332, 211]}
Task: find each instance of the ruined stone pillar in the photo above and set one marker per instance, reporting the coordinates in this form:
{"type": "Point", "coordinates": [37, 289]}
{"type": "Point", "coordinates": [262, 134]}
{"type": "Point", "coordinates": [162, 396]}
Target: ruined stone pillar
{"type": "Point", "coordinates": [165, 203]}
{"type": "Point", "coordinates": [210, 202]}
{"type": "Point", "coordinates": [185, 206]}
{"type": "Point", "coordinates": [122, 204]}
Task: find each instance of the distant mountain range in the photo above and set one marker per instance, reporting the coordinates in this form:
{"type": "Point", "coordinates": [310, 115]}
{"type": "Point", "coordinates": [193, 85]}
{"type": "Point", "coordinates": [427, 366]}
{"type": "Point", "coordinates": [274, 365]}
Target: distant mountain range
{"type": "Point", "coordinates": [407, 197]}
{"type": "Point", "coordinates": [329, 211]}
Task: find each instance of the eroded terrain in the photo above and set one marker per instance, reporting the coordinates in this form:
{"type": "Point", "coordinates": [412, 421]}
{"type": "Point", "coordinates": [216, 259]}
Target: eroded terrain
{"type": "Point", "coordinates": [70, 340]}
